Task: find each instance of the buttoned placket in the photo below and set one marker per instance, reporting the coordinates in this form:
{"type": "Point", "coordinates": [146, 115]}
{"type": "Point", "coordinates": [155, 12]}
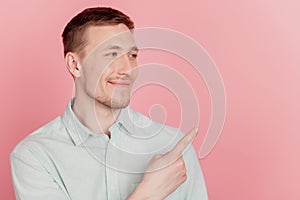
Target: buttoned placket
{"type": "Point", "coordinates": [110, 165]}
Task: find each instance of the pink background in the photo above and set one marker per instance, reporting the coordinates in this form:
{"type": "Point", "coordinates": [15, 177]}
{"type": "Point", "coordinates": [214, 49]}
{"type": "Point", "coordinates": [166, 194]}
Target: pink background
{"type": "Point", "coordinates": [254, 43]}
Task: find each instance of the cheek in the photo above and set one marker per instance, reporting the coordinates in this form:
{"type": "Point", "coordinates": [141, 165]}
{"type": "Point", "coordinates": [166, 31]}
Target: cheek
{"type": "Point", "coordinates": [103, 78]}
{"type": "Point", "coordinates": [135, 73]}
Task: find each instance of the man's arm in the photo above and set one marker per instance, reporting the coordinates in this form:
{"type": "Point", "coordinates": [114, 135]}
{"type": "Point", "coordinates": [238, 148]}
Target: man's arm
{"type": "Point", "coordinates": [31, 180]}
{"type": "Point", "coordinates": [194, 187]}
{"type": "Point", "coordinates": [167, 172]}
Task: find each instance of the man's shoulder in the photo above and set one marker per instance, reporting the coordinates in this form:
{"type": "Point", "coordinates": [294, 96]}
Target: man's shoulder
{"type": "Point", "coordinates": [48, 132]}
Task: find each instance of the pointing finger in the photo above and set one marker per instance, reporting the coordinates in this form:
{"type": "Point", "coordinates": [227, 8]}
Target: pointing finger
{"type": "Point", "coordinates": [183, 143]}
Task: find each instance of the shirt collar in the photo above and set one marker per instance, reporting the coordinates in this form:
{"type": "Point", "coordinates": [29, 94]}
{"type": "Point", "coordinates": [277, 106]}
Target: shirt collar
{"type": "Point", "coordinates": [79, 133]}
{"type": "Point", "coordinates": [126, 120]}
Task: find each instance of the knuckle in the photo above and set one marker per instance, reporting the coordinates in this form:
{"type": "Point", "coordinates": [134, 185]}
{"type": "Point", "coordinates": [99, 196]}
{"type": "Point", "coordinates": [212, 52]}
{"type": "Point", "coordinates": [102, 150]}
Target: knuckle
{"type": "Point", "coordinates": [184, 177]}
{"type": "Point", "coordinates": [184, 170]}
{"type": "Point", "coordinates": [157, 156]}
{"type": "Point", "coordinates": [182, 162]}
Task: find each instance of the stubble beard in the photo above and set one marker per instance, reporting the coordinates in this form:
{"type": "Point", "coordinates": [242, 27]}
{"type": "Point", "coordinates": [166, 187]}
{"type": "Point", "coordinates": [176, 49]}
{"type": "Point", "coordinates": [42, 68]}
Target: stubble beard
{"type": "Point", "coordinates": [115, 102]}
{"type": "Point", "coordinates": [119, 104]}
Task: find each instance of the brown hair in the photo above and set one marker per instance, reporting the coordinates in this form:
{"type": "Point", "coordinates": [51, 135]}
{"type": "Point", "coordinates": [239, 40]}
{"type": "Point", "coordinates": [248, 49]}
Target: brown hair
{"type": "Point", "coordinates": [73, 34]}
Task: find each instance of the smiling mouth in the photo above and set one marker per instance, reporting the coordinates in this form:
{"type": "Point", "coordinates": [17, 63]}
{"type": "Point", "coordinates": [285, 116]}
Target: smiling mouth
{"type": "Point", "coordinates": [122, 83]}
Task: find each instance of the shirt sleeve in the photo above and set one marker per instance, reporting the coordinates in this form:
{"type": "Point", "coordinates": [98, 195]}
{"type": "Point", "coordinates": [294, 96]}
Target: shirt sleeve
{"type": "Point", "coordinates": [30, 179]}
{"type": "Point", "coordinates": [194, 187]}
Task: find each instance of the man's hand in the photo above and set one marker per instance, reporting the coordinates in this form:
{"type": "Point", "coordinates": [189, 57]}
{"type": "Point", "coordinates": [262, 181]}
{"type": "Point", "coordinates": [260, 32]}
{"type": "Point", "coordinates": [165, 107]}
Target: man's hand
{"type": "Point", "coordinates": [165, 172]}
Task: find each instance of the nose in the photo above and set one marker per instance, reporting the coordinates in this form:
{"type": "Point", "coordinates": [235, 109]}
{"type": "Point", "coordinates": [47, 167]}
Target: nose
{"type": "Point", "coordinates": [125, 65]}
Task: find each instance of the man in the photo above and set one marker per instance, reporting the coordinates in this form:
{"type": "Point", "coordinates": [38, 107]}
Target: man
{"type": "Point", "coordinates": [100, 148]}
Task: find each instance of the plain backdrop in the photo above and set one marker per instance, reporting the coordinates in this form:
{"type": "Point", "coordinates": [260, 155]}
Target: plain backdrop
{"type": "Point", "coordinates": [255, 45]}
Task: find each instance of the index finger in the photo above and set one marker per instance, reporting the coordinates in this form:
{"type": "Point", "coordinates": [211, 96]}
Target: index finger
{"type": "Point", "coordinates": [183, 143]}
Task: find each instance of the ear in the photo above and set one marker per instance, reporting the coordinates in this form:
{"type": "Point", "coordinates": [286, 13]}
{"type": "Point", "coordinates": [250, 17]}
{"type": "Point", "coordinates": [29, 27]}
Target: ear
{"type": "Point", "coordinates": [73, 65]}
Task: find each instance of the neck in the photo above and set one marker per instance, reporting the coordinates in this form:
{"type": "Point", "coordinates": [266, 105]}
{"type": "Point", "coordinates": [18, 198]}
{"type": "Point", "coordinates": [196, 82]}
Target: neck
{"type": "Point", "coordinates": [95, 116]}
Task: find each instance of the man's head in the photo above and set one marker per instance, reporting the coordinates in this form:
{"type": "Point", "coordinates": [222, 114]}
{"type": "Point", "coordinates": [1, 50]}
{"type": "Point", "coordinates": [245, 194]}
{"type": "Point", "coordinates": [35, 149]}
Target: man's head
{"type": "Point", "coordinates": [74, 33]}
{"type": "Point", "coordinates": [100, 53]}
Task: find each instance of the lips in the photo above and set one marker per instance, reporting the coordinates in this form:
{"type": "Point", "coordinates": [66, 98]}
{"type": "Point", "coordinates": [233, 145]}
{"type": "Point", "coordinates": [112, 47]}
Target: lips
{"type": "Point", "coordinates": [120, 82]}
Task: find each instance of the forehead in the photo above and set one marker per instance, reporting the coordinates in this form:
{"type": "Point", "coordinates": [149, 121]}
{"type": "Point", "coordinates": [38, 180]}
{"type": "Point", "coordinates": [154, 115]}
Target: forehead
{"type": "Point", "coordinates": [102, 36]}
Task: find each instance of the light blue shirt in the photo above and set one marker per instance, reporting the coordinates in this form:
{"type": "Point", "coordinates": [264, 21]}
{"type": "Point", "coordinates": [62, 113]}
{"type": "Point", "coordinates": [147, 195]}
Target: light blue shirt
{"type": "Point", "coordinates": [65, 160]}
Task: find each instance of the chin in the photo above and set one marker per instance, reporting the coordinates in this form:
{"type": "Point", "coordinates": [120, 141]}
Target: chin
{"type": "Point", "coordinates": [118, 104]}
{"type": "Point", "coordinates": [114, 102]}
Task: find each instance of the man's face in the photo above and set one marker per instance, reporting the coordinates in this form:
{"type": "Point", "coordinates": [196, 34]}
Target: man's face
{"type": "Point", "coordinates": [109, 67]}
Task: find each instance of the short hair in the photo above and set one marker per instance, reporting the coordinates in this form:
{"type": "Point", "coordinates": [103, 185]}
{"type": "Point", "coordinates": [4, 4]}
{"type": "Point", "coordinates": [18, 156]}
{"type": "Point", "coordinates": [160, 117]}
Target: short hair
{"type": "Point", "coordinates": [73, 34]}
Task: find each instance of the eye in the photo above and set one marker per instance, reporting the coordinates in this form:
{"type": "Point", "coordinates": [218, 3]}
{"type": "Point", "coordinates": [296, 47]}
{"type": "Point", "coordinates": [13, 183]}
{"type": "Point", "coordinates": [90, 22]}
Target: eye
{"type": "Point", "coordinates": [133, 55]}
{"type": "Point", "coordinates": [112, 54]}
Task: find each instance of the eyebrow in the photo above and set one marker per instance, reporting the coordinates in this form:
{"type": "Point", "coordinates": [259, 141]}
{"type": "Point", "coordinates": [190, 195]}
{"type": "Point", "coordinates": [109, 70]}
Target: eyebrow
{"type": "Point", "coordinates": [116, 47]}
